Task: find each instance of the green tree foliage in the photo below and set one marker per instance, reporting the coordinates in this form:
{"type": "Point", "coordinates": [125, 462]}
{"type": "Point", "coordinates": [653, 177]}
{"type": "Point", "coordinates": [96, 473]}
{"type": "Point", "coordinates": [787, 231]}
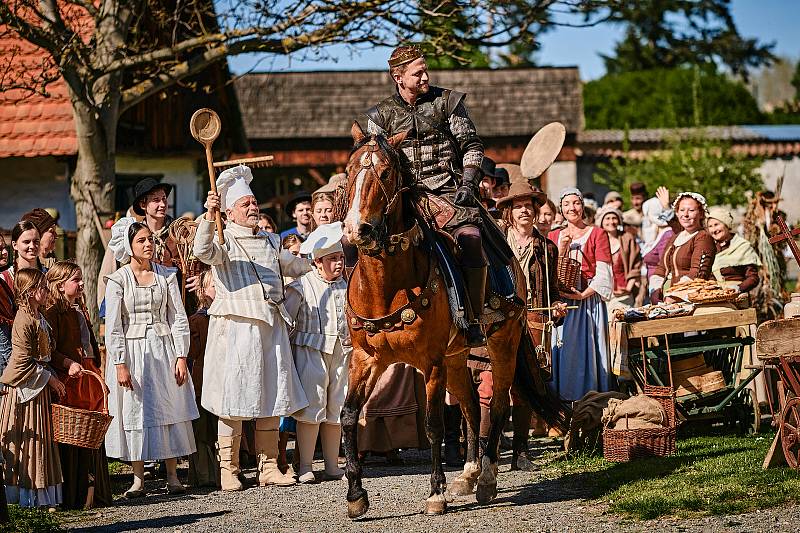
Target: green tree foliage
{"type": "Point", "coordinates": [673, 33]}
{"type": "Point", "coordinates": [451, 24]}
{"type": "Point", "coordinates": [695, 164]}
{"type": "Point", "coordinates": [666, 98]}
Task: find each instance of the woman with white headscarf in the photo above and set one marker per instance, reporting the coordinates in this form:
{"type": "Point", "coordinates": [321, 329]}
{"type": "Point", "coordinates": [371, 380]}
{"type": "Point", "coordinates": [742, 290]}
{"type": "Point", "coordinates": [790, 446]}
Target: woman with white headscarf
{"type": "Point", "coordinates": [147, 339]}
{"type": "Point", "coordinates": [690, 253]}
{"type": "Point", "coordinates": [736, 263]}
{"type": "Point", "coordinates": [626, 260]}
{"type": "Point", "coordinates": [580, 359]}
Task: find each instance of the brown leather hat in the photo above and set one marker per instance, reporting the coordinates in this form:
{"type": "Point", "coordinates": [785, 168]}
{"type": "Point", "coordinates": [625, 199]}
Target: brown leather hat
{"type": "Point", "coordinates": [521, 189]}
{"type": "Point", "coordinates": [40, 218]}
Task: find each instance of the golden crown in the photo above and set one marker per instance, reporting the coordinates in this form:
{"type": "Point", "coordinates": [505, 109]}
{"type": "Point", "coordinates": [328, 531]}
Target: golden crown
{"type": "Point", "coordinates": [403, 55]}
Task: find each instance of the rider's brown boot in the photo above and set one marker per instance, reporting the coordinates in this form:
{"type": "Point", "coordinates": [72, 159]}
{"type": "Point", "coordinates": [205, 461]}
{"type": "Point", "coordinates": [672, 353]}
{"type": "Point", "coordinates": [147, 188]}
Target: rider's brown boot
{"type": "Point", "coordinates": [475, 280]}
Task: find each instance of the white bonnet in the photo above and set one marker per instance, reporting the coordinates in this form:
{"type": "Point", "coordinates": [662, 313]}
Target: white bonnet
{"type": "Point", "coordinates": [325, 240]}
{"type": "Point", "coordinates": [119, 243]}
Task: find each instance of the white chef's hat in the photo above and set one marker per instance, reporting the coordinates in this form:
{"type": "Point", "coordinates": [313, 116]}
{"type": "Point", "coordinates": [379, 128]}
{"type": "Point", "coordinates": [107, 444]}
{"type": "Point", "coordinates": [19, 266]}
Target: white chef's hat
{"type": "Point", "coordinates": [325, 240]}
{"type": "Point", "coordinates": [232, 184]}
{"type": "Point", "coordinates": [119, 243]}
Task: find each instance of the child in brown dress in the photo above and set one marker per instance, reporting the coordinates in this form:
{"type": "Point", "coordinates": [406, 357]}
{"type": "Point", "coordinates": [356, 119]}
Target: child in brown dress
{"type": "Point", "coordinates": [32, 468]}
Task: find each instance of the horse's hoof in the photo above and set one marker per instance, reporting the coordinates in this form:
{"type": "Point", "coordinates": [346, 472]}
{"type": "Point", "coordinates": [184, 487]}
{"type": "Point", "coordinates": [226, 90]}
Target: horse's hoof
{"type": "Point", "coordinates": [486, 493]}
{"type": "Point", "coordinates": [358, 508]}
{"type": "Point", "coordinates": [435, 505]}
{"type": "Point", "coordinates": [461, 487]}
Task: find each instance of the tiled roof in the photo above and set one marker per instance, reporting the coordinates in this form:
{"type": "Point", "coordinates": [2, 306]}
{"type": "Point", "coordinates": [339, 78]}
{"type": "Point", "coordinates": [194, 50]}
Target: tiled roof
{"type": "Point", "coordinates": [36, 125]}
{"type": "Point", "coordinates": [752, 141]}
{"type": "Point", "coordinates": [720, 133]}
{"type": "Point", "coordinates": [508, 102]}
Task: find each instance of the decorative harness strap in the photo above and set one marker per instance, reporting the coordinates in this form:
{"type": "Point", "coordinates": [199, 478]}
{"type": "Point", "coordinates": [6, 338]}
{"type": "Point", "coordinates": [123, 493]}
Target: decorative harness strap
{"type": "Point", "coordinates": [407, 313]}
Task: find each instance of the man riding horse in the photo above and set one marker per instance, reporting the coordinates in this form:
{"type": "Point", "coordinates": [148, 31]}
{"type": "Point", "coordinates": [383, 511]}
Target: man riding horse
{"type": "Point", "coordinates": [442, 156]}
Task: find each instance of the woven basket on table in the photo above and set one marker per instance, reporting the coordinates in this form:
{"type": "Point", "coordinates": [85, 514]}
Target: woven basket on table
{"type": "Point", "coordinates": [80, 427]}
{"type": "Point", "coordinates": [622, 445]}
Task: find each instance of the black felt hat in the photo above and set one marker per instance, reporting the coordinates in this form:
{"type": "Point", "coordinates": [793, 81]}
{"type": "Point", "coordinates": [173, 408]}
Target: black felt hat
{"type": "Point", "coordinates": [145, 187]}
{"type": "Point", "coordinates": [299, 196]}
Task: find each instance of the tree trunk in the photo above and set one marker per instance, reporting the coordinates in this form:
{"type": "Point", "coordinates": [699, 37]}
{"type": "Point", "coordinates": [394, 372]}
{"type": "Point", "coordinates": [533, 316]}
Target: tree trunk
{"type": "Point", "coordinates": [94, 178]}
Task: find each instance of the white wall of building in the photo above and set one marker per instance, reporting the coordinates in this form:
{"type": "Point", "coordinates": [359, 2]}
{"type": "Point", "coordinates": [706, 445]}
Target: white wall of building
{"type": "Point", "coordinates": [561, 174]}
{"type": "Point", "coordinates": [178, 171]}
{"type": "Point", "coordinates": [28, 182]}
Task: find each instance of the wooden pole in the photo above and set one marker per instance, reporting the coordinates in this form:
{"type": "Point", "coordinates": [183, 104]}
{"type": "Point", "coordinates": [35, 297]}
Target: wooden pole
{"type": "Point", "coordinates": [212, 175]}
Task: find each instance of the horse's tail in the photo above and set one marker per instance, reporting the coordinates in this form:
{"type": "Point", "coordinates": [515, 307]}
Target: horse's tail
{"type": "Point", "coordinates": [530, 384]}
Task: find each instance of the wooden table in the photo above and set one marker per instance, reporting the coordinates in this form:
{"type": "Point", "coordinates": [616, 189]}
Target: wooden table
{"type": "Point", "coordinates": [657, 343]}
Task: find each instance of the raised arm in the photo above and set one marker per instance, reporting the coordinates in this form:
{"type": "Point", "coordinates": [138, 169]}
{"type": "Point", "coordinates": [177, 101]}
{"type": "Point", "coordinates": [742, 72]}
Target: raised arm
{"type": "Point", "coordinates": [205, 248]}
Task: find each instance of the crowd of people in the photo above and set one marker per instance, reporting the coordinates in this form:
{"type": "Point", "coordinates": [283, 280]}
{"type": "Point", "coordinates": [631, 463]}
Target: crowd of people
{"type": "Point", "coordinates": [166, 403]}
{"type": "Point", "coordinates": [259, 351]}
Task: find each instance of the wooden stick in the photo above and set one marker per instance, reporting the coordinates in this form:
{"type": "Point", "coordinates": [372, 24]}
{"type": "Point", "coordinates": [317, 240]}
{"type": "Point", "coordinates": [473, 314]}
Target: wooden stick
{"type": "Point", "coordinates": [547, 308]}
{"type": "Point", "coordinates": [212, 175]}
{"type": "Point", "coordinates": [245, 161]}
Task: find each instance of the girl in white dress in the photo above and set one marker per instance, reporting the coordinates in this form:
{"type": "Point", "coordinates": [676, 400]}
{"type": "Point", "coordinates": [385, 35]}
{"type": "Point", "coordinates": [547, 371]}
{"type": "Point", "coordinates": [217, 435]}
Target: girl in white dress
{"type": "Point", "coordinates": [147, 338]}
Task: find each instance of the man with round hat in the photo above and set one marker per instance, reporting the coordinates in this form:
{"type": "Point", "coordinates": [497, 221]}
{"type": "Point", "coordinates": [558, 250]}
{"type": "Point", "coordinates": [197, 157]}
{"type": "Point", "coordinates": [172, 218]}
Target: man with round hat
{"type": "Point", "coordinates": [249, 371]}
{"type": "Point", "coordinates": [299, 208]}
{"type": "Point", "coordinates": [538, 258]}
{"type": "Point", "coordinates": [150, 201]}
{"type": "Point", "coordinates": [442, 156]}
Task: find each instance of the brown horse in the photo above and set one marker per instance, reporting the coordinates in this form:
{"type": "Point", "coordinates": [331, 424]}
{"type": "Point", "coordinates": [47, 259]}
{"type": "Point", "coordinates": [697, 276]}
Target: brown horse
{"type": "Point", "coordinates": [399, 312]}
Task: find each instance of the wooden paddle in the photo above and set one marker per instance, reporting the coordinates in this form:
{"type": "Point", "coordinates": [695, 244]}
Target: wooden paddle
{"type": "Point", "coordinates": [205, 126]}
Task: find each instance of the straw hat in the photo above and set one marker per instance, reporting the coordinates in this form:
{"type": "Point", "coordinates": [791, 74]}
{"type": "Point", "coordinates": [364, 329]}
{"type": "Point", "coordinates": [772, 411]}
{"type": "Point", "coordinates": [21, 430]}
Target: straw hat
{"type": "Point", "coordinates": [521, 189]}
{"type": "Point", "coordinates": [542, 150]}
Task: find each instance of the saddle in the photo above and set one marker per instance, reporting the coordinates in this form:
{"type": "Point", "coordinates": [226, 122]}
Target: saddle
{"type": "Point", "coordinates": [433, 213]}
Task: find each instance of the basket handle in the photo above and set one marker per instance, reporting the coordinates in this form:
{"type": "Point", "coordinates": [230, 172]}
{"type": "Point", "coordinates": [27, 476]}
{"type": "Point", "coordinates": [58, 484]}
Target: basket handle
{"type": "Point", "coordinates": [103, 385]}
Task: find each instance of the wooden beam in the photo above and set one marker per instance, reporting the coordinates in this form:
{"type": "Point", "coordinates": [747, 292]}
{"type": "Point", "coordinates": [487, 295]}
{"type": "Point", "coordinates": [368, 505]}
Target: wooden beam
{"type": "Point", "coordinates": [663, 326]}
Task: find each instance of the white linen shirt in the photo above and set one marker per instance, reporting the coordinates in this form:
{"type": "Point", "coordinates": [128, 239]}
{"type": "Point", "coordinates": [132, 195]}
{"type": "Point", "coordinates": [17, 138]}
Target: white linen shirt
{"type": "Point", "coordinates": [247, 271]}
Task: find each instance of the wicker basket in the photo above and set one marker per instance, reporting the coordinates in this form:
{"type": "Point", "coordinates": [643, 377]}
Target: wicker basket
{"type": "Point", "coordinates": [569, 273]}
{"type": "Point", "coordinates": [80, 427]}
{"type": "Point", "coordinates": [622, 445]}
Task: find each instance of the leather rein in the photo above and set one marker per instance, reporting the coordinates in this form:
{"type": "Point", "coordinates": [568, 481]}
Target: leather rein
{"type": "Point", "coordinates": [394, 244]}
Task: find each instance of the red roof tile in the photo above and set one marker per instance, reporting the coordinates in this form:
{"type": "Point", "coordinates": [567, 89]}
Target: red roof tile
{"type": "Point", "coordinates": [33, 125]}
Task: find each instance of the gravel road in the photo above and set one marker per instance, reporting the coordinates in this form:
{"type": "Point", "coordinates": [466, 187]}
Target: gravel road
{"type": "Point", "coordinates": [526, 502]}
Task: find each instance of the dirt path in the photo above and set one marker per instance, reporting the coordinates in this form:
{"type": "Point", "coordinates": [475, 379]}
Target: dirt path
{"type": "Point", "coordinates": [526, 502]}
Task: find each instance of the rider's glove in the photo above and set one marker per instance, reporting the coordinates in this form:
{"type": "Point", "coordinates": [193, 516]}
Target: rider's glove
{"type": "Point", "coordinates": [465, 195]}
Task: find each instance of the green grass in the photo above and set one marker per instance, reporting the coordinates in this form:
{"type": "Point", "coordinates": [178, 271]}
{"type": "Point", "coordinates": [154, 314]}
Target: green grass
{"type": "Point", "coordinates": [709, 475]}
{"type": "Point", "coordinates": [24, 520]}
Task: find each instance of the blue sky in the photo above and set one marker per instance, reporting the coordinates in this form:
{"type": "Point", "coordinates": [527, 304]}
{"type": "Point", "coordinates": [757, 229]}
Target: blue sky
{"type": "Point", "coordinates": [769, 20]}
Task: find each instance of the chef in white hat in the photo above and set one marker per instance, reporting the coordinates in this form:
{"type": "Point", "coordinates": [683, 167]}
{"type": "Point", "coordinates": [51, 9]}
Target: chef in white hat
{"type": "Point", "coordinates": [322, 348]}
{"type": "Point", "coordinates": [249, 370]}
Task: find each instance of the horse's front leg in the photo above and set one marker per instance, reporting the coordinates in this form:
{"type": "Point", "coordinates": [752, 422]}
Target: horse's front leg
{"type": "Point", "coordinates": [503, 353]}
{"type": "Point", "coordinates": [436, 379]}
{"type": "Point", "coordinates": [364, 373]}
{"type": "Point", "coordinates": [460, 385]}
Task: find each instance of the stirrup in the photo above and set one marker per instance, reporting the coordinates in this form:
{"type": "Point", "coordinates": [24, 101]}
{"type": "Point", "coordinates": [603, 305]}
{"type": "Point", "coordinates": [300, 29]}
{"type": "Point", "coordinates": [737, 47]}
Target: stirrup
{"type": "Point", "coordinates": [474, 336]}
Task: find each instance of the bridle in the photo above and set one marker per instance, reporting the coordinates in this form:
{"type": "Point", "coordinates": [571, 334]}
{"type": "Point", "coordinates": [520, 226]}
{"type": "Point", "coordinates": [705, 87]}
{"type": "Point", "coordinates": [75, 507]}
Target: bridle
{"type": "Point", "coordinates": [381, 237]}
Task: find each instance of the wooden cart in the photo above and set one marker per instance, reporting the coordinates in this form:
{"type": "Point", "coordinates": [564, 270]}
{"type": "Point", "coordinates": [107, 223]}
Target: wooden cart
{"type": "Point", "coordinates": [710, 335]}
{"type": "Point", "coordinates": [778, 347]}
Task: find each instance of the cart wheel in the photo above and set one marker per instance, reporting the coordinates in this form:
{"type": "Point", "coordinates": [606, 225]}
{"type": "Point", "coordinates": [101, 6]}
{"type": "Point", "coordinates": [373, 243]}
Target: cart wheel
{"type": "Point", "coordinates": [790, 432]}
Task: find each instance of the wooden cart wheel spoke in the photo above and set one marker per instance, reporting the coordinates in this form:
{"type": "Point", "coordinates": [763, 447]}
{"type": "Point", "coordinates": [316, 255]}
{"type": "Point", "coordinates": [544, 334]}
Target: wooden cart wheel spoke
{"type": "Point", "coordinates": [789, 433]}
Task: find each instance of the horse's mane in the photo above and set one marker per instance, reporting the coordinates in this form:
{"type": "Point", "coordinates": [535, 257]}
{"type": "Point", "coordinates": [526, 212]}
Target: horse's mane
{"type": "Point", "coordinates": [394, 157]}
{"type": "Point", "coordinates": [393, 154]}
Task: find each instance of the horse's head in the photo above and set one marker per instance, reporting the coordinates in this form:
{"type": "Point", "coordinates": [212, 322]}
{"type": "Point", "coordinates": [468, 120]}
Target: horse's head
{"type": "Point", "coordinates": [374, 187]}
